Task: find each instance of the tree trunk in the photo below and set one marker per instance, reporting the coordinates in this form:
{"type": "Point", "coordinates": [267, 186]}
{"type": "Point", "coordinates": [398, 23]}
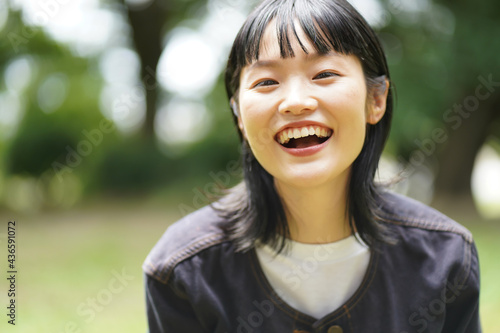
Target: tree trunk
{"type": "Point", "coordinates": [147, 28]}
{"type": "Point", "coordinates": [453, 193]}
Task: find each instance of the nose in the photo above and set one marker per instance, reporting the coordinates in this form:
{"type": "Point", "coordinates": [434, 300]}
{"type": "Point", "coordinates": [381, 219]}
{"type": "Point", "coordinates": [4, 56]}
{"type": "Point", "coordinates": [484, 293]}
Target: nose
{"type": "Point", "coordinates": [297, 99]}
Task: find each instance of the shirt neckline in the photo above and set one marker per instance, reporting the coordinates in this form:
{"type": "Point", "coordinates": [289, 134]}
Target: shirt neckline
{"type": "Point", "coordinates": [337, 250]}
{"type": "Point", "coordinates": [342, 310]}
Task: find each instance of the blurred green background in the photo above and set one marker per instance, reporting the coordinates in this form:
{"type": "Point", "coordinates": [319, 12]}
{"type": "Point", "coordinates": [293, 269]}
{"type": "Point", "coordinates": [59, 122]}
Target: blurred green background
{"type": "Point", "coordinates": [114, 124]}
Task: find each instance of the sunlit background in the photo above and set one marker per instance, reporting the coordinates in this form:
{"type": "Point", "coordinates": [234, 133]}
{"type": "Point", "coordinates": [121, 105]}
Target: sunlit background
{"type": "Point", "coordinates": [114, 122]}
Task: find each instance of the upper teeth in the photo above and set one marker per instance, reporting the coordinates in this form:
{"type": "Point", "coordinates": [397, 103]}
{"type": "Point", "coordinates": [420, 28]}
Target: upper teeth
{"type": "Point", "coordinates": [302, 132]}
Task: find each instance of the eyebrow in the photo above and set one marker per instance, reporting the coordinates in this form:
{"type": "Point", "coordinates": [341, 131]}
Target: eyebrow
{"type": "Point", "coordinates": [264, 63]}
{"type": "Point", "coordinates": [276, 63]}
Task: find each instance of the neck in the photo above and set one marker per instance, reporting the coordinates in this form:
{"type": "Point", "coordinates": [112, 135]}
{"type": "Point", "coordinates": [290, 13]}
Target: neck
{"type": "Point", "coordinates": [316, 215]}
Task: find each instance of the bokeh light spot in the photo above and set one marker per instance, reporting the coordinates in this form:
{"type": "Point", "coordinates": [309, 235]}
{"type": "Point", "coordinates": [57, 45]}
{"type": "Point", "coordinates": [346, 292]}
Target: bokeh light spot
{"type": "Point", "coordinates": [52, 92]}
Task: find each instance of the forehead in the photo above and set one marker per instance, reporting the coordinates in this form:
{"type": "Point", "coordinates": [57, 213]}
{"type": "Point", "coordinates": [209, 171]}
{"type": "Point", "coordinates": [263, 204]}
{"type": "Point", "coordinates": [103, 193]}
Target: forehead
{"type": "Point", "coordinates": [303, 49]}
{"type": "Point", "coordinates": [269, 45]}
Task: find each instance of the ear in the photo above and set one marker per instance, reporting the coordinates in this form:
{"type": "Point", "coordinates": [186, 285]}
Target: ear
{"type": "Point", "coordinates": [378, 101]}
{"type": "Point", "coordinates": [242, 129]}
{"type": "Point", "coordinates": [236, 112]}
{"type": "Point", "coordinates": [234, 106]}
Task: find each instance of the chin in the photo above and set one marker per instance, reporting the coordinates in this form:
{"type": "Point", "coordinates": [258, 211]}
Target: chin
{"type": "Point", "coordinates": [310, 177]}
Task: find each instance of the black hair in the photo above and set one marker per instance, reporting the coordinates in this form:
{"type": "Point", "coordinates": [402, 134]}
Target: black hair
{"type": "Point", "coordinates": [253, 209]}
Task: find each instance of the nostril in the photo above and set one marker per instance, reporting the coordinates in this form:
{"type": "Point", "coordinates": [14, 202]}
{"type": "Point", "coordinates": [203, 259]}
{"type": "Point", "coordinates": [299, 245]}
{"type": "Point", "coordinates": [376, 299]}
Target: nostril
{"type": "Point", "coordinates": [298, 105]}
{"type": "Point", "coordinates": [296, 109]}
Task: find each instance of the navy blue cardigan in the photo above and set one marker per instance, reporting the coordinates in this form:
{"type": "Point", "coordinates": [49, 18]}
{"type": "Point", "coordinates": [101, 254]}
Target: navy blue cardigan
{"type": "Point", "coordinates": [428, 281]}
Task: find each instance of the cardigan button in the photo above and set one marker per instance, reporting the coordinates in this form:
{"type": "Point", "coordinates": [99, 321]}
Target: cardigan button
{"type": "Point", "coordinates": [335, 329]}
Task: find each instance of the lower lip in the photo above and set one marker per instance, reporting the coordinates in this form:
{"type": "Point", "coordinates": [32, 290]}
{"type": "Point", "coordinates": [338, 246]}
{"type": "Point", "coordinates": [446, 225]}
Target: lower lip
{"type": "Point", "coordinates": [302, 152]}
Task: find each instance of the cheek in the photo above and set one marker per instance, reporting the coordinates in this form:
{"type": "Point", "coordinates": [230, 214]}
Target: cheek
{"type": "Point", "coordinates": [348, 106]}
{"type": "Point", "coordinates": [255, 126]}
{"type": "Point", "coordinates": [349, 113]}
{"type": "Point", "coordinates": [355, 95]}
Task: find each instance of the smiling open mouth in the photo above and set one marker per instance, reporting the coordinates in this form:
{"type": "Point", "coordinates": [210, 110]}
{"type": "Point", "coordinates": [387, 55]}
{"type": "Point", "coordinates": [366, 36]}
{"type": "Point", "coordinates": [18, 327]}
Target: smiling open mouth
{"type": "Point", "coordinates": [303, 137]}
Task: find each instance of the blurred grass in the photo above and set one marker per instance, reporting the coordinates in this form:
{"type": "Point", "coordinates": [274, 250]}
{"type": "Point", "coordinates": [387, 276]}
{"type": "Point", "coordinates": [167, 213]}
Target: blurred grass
{"type": "Point", "coordinates": [486, 235]}
{"type": "Point", "coordinates": [65, 258]}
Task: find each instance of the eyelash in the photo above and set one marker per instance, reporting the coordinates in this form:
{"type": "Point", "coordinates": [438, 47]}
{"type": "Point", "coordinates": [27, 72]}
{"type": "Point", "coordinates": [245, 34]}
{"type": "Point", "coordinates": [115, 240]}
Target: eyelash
{"type": "Point", "coordinates": [325, 75]}
{"type": "Point", "coordinates": [269, 82]}
{"type": "Point", "coordinates": [265, 83]}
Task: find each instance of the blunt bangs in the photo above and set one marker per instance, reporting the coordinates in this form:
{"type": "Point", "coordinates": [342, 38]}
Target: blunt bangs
{"type": "Point", "coordinates": [327, 24]}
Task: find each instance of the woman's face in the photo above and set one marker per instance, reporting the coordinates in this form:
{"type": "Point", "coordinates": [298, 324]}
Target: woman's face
{"type": "Point", "coordinates": [305, 117]}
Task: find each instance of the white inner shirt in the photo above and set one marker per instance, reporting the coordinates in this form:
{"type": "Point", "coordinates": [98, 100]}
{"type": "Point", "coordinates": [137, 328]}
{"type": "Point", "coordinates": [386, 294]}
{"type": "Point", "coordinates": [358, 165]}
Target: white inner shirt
{"type": "Point", "coordinates": [316, 279]}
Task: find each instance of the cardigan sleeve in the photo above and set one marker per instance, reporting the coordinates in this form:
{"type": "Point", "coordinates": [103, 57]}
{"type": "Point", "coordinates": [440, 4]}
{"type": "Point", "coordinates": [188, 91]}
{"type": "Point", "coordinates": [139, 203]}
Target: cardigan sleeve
{"type": "Point", "coordinates": [168, 311]}
{"type": "Point", "coordinates": [462, 298]}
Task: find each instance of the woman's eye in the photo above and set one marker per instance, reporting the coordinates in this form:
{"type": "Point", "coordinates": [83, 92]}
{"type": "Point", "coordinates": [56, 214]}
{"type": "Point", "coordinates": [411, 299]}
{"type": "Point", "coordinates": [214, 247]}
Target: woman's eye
{"type": "Point", "coordinates": [265, 83]}
{"type": "Point", "coordinates": [325, 75]}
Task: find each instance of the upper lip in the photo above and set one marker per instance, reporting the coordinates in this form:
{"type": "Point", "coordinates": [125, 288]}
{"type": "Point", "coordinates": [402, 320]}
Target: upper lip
{"type": "Point", "coordinates": [302, 123]}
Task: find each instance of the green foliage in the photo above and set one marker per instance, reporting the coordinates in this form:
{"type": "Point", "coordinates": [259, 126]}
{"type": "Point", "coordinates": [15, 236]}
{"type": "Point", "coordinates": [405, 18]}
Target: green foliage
{"type": "Point", "coordinates": [132, 166]}
{"type": "Point", "coordinates": [37, 145]}
{"type": "Point", "coordinates": [435, 60]}
{"type": "Point", "coordinates": [135, 166]}
{"type": "Point", "coordinates": [435, 57]}
{"type": "Point", "coordinates": [18, 39]}
{"type": "Point", "coordinates": [44, 138]}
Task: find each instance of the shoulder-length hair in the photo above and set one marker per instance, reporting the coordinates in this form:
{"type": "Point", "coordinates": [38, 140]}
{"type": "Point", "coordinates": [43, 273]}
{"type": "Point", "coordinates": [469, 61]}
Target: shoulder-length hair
{"type": "Point", "coordinates": [253, 209]}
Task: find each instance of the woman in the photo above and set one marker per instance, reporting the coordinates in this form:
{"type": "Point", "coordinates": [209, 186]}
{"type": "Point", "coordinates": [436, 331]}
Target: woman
{"type": "Point", "coordinates": [307, 242]}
